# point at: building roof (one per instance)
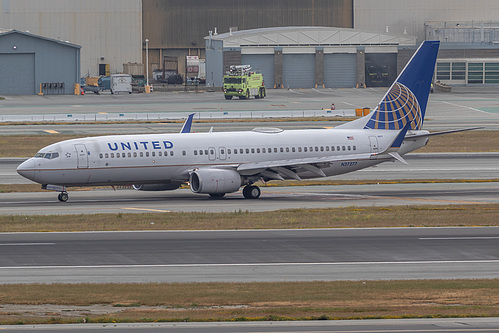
(4, 32)
(309, 36)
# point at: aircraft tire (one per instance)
(217, 195)
(63, 197)
(251, 192)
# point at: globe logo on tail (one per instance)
(398, 107)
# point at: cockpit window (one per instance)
(48, 156)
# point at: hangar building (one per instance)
(307, 57)
(28, 61)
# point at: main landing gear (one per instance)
(251, 192)
(63, 196)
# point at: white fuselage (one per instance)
(170, 158)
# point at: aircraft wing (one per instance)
(282, 169)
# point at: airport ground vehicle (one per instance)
(240, 81)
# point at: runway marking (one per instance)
(457, 238)
(466, 107)
(148, 210)
(370, 263)
(51, 131)
(26, 244)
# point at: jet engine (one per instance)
(215, 181)
(157, 187)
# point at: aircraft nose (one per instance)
(27, 169)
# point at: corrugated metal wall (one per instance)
(110, 29)
(184, 23)
(298, 70)
(340, 70)
(263, 63)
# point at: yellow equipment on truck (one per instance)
(240, 81)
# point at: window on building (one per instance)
(443, 71)
(458, 71)
(492, 72)
(475, 72)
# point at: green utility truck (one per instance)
(240, 81)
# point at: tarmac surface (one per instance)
(438, 325)
(250, 255)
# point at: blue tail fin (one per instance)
(406, 99)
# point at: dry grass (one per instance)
(260, 301)
(348, 217)
(473, 141)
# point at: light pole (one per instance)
(147, 62)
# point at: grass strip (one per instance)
(346, 217)
(472, 141)
(154, 302)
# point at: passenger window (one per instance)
(141, 154)
(299, 149)
(343, 148)
(349, 148)
(258, 150)
(252, 150)
(316, 148)
(130, 154)
(235, 151)
(305, 149)
(160, 153)
(183, 152)
(228, 151)
(287, 149)
(112, 155)
(282, 150)
(332, 148)
(153, 154)
(247, 150)
(107, 155)
(171, 153)
(338, 148)
(293, 149)
(327, 148)
(123, 155)
(100, 155)
(322, 148)
(354, 148)
(195, 152)
(147, 154)
(263, 150)
(311, 149)
(222, 151)
(206, 152)
(241, 151)
(134, 154)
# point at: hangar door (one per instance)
(298, 70)
(263, 63)
(17, 74)
(340, 70)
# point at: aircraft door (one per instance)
(222, 153)
(373, 141)
(81, 151)
(212, 154)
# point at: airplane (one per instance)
(217, 163)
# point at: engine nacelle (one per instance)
(215, 181)
(157, 187)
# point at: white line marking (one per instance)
(457, 238)
(464, 106)
(269, 264)
(26, 244)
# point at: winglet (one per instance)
(186, 128)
